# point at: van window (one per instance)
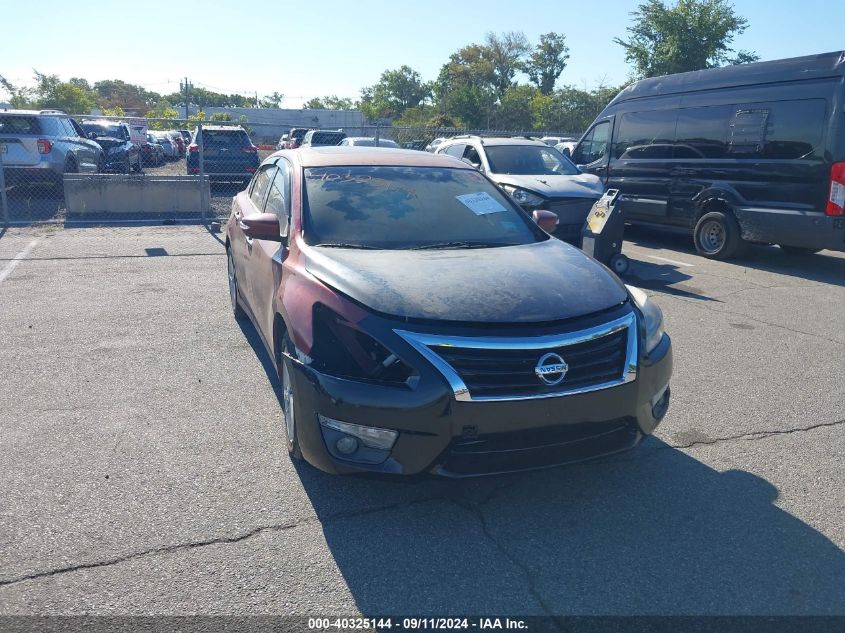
(648, 134)
(786, 130)
(593, 146)
(702, 132)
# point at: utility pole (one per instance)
(188, 88)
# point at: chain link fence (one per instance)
(56, 168)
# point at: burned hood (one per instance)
(544, 281)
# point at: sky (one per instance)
(324, 47)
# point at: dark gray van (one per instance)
(750, 153)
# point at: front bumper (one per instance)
(439, 434)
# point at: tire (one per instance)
(799, 250)
(717, 236)
(289, 406)
(619, 263)
(237, 310)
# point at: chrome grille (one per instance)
(500, 368)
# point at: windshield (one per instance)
(409, 207)
(529, 160)
(327, 138)
(113, 131)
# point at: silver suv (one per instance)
(535, 175)
(41, 146)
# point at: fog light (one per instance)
(346, 445)
(660, 404)
(370, 436)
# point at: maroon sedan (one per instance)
(421, 321)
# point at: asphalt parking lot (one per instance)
(144, 470)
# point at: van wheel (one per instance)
(717, 235)
(798, 250)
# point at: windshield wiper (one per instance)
(456, 245)
(344, 245)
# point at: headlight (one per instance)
(342, 350)
(523, 197)
(652, 317)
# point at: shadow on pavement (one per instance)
(656, 532)
(653, 531)
(822, 267)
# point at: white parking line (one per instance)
(17, 259)
(670, 261)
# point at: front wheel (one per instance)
(289, 404)
(717, 236)
(237, 310)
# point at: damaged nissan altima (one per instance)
(421, 322)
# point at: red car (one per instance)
(421, 321)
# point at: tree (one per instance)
(691, 35)
(272, 101)
(465, 87)
(19, 96)
(111, 93)
(332, 102)
(547, 62)
(162, 110)
(396, 91)
(51, 92)
(514, 110)
(505, 53)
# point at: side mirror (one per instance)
(92, 136)
(262, 226)
(546, 220)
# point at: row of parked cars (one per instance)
(40, 146)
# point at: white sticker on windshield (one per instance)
(481, 203)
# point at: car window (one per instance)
(456, 150)
(649, 134)
(261, 184)
(225, 138)
(528, 160)
(19, 125)
(593, 147)
(409, 207)
(278, 198)
(471, 154)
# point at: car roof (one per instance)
(337, 155)
(223, 127)
(488, 141)
(33, 112)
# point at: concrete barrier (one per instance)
(123, 196)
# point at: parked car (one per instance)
(418, 144)
(228, 153)
(121, 155)
(420, 321)
(152, 151)
(283, 141)
(566, 147)
(322, 137)
(553, 141)
(295, 137)
(535, 175)
(186, 137)
(168, 145)
(40, 146)
(178, 141)
(368, 141)
(431, 147)
(748, 153)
